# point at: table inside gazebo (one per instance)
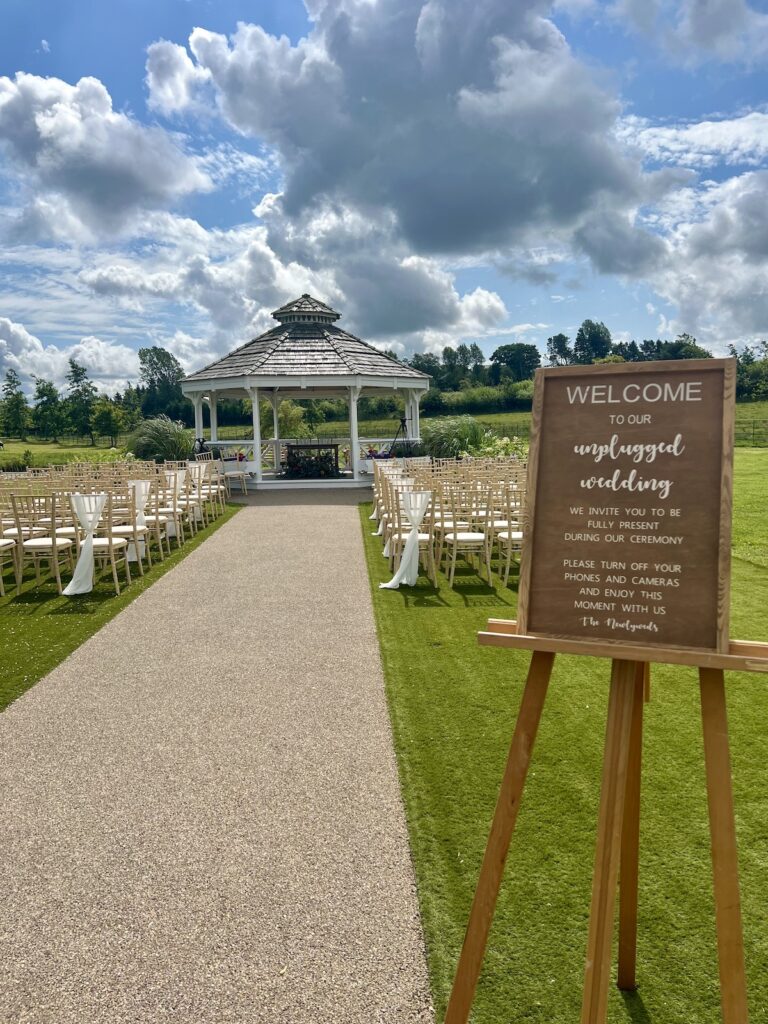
(318, 447)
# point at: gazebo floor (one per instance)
(272, 483)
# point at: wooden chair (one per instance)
(125, 523)
(8, 546)
(157, 523)
(466, 532)
(36, 537)
(109, 546)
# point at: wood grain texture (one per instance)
(526, 554)
(505, 816)
(609, 829)
(730, 944)
(742, 656)
(726, 507)
(630, 839)
(687, 543)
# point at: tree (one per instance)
(684, 347)
(450, 371)
(158, 368)
(48, 414)
(464, 359)
(15, 410)
(107, 419)
(131, 407)
(161, 374)
(559, 351)
(628, 350)
(477, 362)
(427, 363)
(80, 399)
(593, 341)
(521, 359)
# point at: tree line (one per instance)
(463, 381)
(80, 409)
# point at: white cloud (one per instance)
(731, 141)
(173, 80)
(111, 364)
(84, 165)
(470, 130)
(727, 30)
(717, 271)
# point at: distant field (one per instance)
(44, 452)
(751, 424)
(751, 431)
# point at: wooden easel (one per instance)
(619, 816)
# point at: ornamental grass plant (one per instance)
(449, 436)
(162, 438)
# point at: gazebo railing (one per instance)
(273, 453)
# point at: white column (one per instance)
(354, 442)
(416, 431)
(256, 433)
(276, 430)
(409, 413)
(197, 401)
(214, 410)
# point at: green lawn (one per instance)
(751, 422)
(45, 452)
(453, 707)
(38, 629)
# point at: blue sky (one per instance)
(172, 171)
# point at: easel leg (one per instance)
(730, 947)
(630, 839)
(617, 735)
(505, 816)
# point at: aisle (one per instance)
(201, 815)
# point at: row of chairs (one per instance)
(43, 517)
(476, 509)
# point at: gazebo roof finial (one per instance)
(306, 310)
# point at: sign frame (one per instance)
(582, 374)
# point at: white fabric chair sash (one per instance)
(415, 504)
(401, 482)
(88, 509)
(140, 490)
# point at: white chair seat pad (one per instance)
(41, 543)
(516, 535)
(465, 537)
(127, 530)
(103, 542)
(7, 542)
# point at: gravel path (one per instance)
(201, 819)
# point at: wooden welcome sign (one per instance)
(629, 520)
(625, 556)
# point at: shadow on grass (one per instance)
(635, 1006)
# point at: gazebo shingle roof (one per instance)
(306, 343)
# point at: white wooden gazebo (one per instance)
(305, 356)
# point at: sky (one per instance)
(438, 171)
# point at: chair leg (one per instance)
(114, 573)
(56, 570)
